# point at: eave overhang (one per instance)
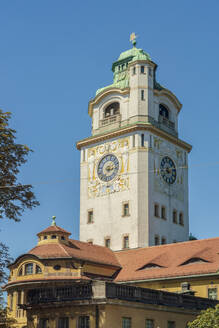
(41, 282)
(131, 128)
(188, 276)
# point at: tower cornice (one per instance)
(131, 128)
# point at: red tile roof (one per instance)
(77, 250)
(54, 229)
(171, 259)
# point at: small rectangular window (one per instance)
(156, 210)
(150, 71)
(163, 241)
(185, 286)
(212, 293)
(134, 71)
(126, 322)
(133, 141)
(125, 209)
(163, 212)
(84, 322)
(181, 221)
(107, 242)
(150, 141)
(142, 69)
(171, 324)
(174, 216)
(142, 95)
(63, 322)
(149, 323)
(142, 140)
(156, 240)
(90, 216)
(126, 242)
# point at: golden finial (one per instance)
(133, 38)
(53, 220)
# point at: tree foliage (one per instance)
(5, 320)
(5, 259)
(14, 197)
(207, 319)
(192, 237)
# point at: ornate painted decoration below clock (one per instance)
(168, 170)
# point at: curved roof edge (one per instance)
(170, 95)
(21, 257)
(103, 94)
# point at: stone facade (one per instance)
(139, 126)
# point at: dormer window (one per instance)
(150, 266)
(38, 269)
(163, 111)
(29, 268)
(194, 260)
(111, 110)
(20, 273)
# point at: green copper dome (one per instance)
(135, 53)
(120, 68)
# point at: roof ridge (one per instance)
(167, 245)
(64, 250)
(85, 242)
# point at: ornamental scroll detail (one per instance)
(98, 188)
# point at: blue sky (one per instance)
(56, 53)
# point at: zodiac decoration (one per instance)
(91, 162)
(108, 165)
(125, 156)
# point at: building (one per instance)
(133, 265)
(134, 167)
(65, 283)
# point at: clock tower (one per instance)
(134, 167)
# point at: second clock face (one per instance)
(108, 167)
(168, 170)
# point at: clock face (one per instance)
(108, 167)
(168, 170)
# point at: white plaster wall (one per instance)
(158, 226)
(108, 219)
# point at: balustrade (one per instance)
(80, 292)
(117, 291)
(149, 296)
